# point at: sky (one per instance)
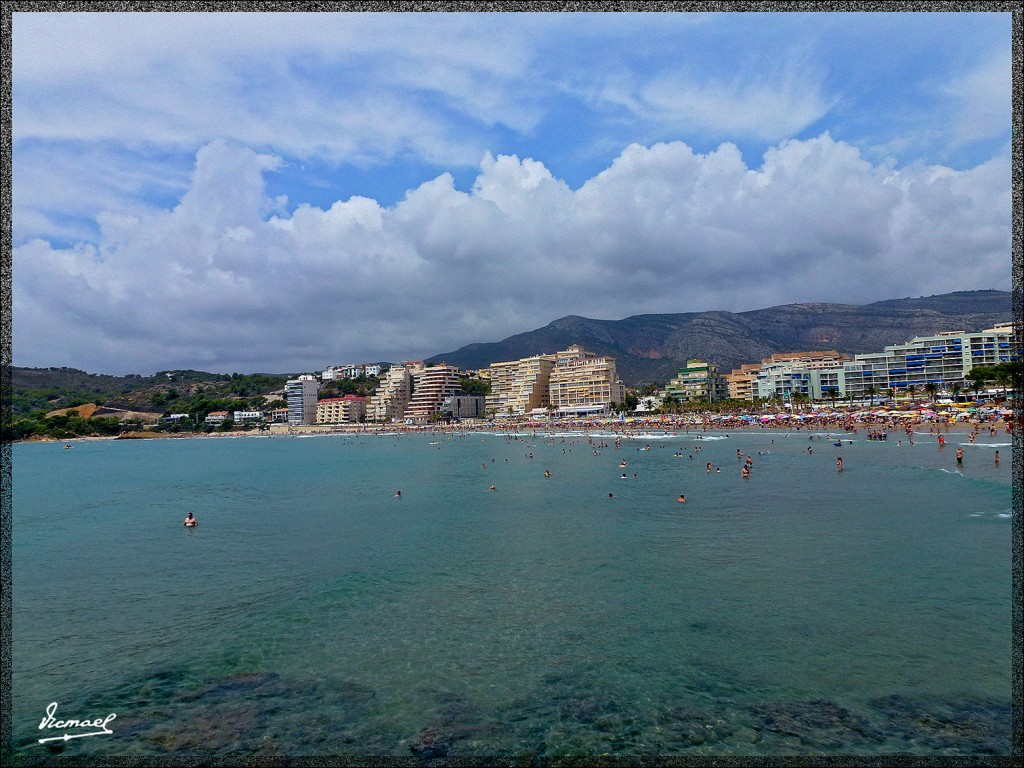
(261, 192)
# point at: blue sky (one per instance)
(283, 192)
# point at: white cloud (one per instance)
(228, 280)
(982, 99)
(338, 87)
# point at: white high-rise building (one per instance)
(389, 401)
(431, 386)
(300, 395)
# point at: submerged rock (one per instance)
(819, 722)
(429, 742)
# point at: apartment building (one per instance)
(944, 360)
(813, 375)
(350, 409)
(698, 381)
(463, 407)
(583, 382)
(300, 394)
(392, 396)
(431, 385)
(742, 382)
(350, 371)
(520, 386)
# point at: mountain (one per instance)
(651, 348)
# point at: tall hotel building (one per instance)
(431, 385)
(389, 401)
(300, 394)
(520, 386)
(583, 382)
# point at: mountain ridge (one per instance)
(650, 348)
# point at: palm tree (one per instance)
(870, 391)
(1003, 377)
(932, 389)
(911, 391)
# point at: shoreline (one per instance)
(635, 428)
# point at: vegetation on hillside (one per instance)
(37, 392)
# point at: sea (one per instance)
(576, 609)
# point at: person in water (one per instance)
(681, 499)
(191, 522)
(398, 494)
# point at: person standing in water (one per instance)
(191, 522)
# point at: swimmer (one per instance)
(746, 472)
(681, 499)
(997, 458)
(839, 463)
(547, 473)
(191, 522)
(959, 455)
(492, 488)
(398, 494)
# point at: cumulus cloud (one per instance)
(229, 279)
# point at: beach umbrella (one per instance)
(767, 418)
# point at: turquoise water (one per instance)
(800, 611)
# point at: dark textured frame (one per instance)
(1016, 7)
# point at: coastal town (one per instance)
(932, 375)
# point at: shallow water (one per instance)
(801, 611)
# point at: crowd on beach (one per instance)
(877, 424)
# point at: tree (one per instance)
(832, 393)
(932, 389)
(871, 391)
(1003, 376)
